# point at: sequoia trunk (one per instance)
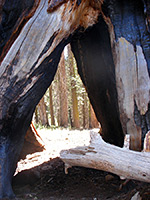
(113, 58)
(130, 42)
(112, 48)
(92, 50)
(33, 35)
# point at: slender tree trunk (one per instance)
(56, 98)
(36, 115)
(85, 112)
(70, 117)
(63, 122)
(76, 122)
(51, 106)
(43, 113)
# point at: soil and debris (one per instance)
(40, 176)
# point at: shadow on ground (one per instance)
(48, 181)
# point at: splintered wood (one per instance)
(133, 86)
(103, 156)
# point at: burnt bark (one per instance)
(31, 43)
(113, 59)
(92, 50)
(14, 15)
(22, 85)
(128, 23)
(112, 53)
(17, 116)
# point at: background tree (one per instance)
(111, 44)
(43, 112)
(51, 106)
(85, 111)
(75, 111)
(63, 111)
(66, 100)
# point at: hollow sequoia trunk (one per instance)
(128, 23)
(113, 58)
(92, 50)
(33, 35)
(26, 72)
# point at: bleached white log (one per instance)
(103, 156)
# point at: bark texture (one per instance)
(130, 41)
(93, 123)
(63, 112)
(112, 50)
(113, 58)
(75, 110)
(31, 44)
(42, 112)
(92, 50)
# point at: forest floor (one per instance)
(40, 176)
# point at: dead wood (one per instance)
(103, 156)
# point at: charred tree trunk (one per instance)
(26, 72)
(32, 36)
(113, 60)
(130, 42)
(92, 50)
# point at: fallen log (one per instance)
(103, 156)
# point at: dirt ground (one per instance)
(41, 176)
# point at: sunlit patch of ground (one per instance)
(54, 141)
(46, 179)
